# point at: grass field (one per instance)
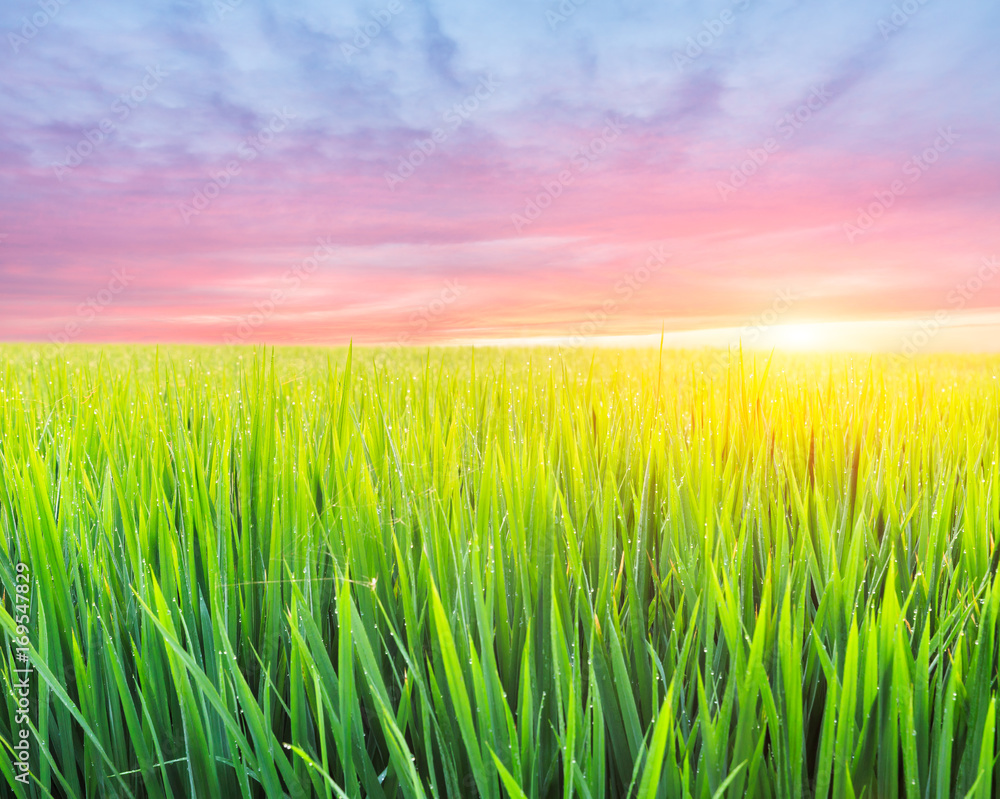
(513, 573)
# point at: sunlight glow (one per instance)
(798, 337)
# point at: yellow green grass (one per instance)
(503, 573)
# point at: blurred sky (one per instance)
(399, 170)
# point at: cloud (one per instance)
(358, 114)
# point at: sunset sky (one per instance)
(401, 171)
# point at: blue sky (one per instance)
(264, 128)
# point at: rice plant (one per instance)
(522, 573)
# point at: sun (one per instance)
(797, 337)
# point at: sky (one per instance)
(407, 171)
